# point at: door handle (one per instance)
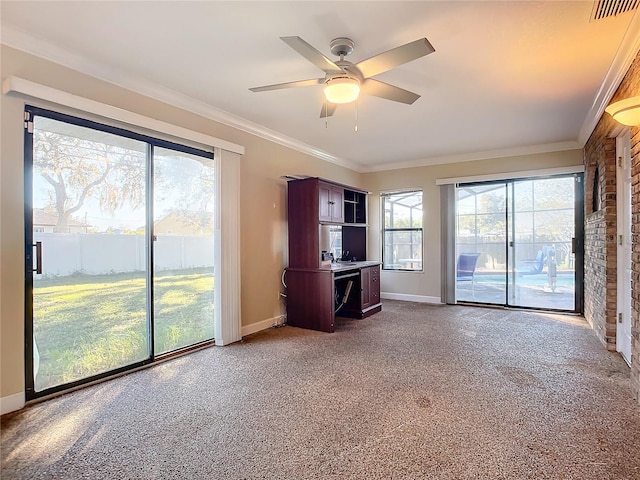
(573, 245)
(38, 268)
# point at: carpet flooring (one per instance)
(414, 392)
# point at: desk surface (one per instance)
(342, 266)
(337, 267)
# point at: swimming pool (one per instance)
(534, 291)
(539, 279)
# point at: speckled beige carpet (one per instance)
(414, 392)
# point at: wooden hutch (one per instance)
(316, 288)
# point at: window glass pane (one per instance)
(403, 250)
(553, 193)
(523, 196)
(183, 249)
(403, 210)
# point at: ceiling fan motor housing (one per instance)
(341, 47)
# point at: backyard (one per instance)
(89, 324)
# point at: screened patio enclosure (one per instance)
(514, 242)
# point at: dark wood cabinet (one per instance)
(311, 203)
(316, 291)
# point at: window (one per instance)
(402, 231)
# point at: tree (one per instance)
(79, 169)
(190, 189)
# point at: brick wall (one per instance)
(635, 254)
(600, 229)
(600, 236)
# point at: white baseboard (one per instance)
(263, 325)
(11, 403)
(405, 297)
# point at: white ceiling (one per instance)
(506, 77)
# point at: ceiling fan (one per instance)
(344, 80)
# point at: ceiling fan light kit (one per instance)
(626, 112)
(344, 80)
(342, 90)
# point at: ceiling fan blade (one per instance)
(395, 57)
(311, 54)
(299, 83)
(328, 109)
(390, 92)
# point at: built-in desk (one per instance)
(316, 291)
(316, 296)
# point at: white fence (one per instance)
(98, 254)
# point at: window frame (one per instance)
(383, 200)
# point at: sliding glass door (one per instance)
(119, 250)
(515, 243)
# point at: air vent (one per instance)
(611, 8)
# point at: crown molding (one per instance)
(625, 55)
(28, 43)
(544, 172)
(485, 155)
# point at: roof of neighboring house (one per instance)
(40, 217)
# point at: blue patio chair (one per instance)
(532, 266)
(466, 267)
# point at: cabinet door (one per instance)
(337, 204)
(324, 205)
(365, 287)
(331, 203)
(370, 286)
(310, 299)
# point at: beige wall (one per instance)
(263, 201)
(427, 282)
(263, 206)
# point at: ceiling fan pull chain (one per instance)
(326, 113)
(356, 105)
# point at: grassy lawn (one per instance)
(86, 325)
